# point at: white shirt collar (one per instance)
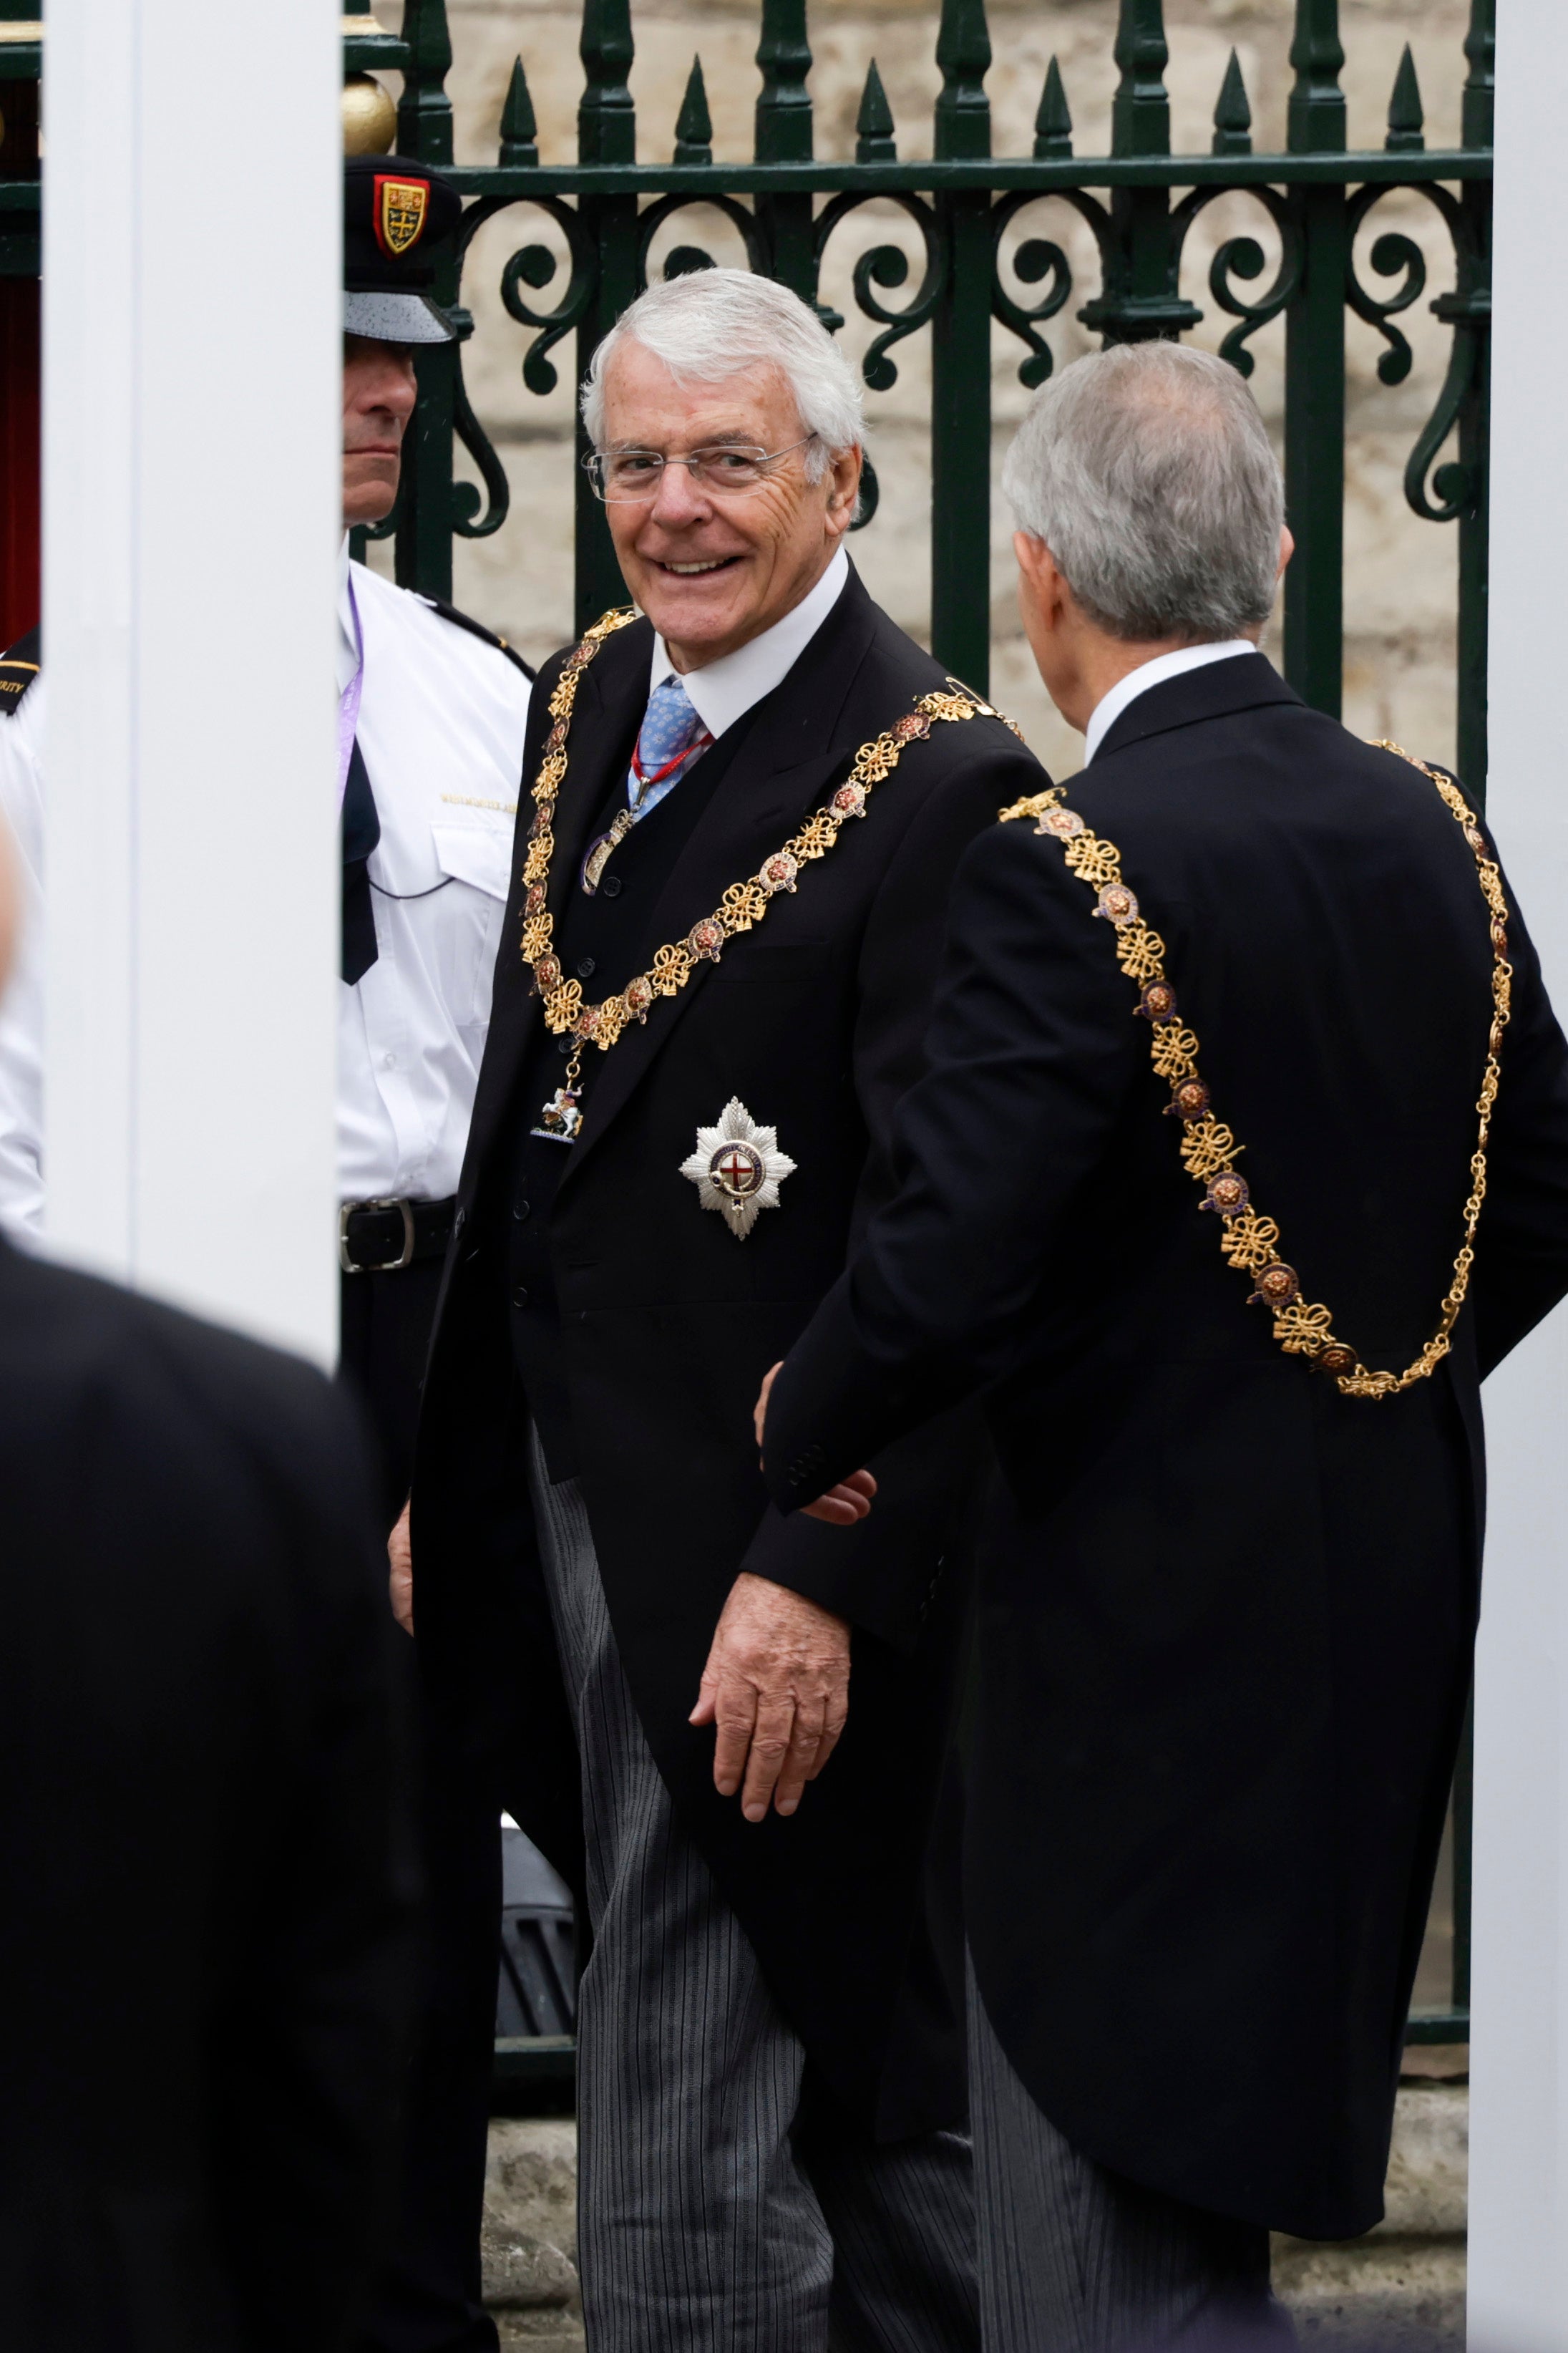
(722, 691)
(1155, 672)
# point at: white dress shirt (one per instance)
(1109, 707)
(441, 725)
(724, 691)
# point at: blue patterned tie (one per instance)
(672, 736)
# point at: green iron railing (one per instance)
(1139, 202)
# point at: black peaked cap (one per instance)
(396, 213)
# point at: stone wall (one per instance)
(1400, 572)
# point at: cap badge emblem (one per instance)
(400, 209)
(738, 1168)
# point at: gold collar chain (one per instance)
(1209, 1150)
(742, 905)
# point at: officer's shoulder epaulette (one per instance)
(478, 630)
(18, 668)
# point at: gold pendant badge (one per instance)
(400, 209)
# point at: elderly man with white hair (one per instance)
(1249, 966)
(742, 802)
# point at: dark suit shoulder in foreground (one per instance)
(207, 1888)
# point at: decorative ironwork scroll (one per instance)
(979, 260)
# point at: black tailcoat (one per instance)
(205, 1946)
(1226, 1624)
(668, 1322)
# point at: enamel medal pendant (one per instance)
(561, 1117)
(738, 1168)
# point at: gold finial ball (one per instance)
(369, 118)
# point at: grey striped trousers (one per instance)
(1074, 2259)
(702, 2226)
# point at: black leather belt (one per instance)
(382, 1237)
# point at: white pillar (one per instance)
(192, 357)
(1519, 2148)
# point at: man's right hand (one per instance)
(400, 1577)
(842, 1506)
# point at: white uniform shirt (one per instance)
(441, 725)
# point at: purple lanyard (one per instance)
(348, 701)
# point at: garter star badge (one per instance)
(738, 1168)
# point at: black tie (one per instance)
(361, 831)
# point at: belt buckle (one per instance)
(386, 1265)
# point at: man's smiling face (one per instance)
(712, 571)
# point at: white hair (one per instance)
(712, 324)
(1148, 472)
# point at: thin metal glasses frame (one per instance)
(696, 463)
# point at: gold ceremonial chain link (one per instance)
(1209, 1150)
(743, 903)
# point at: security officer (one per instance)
(432, 710)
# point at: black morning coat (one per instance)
(206, 1939)
(1225, 1616)
(668, 1323)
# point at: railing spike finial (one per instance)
(1232, 113)
(1053, 123)
(783, 133)
(1405, 118)
(424, 111)
(964, 53)
(874, 139)
(1316, 112)
(1480, 48)
(694, 124)
(1141, 110)
(518, 129)
(606, 122)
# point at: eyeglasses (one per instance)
(634, 475)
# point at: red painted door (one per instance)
(19, 600)
(20, 401)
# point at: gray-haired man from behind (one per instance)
(1225, 1615)
(742, 815)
